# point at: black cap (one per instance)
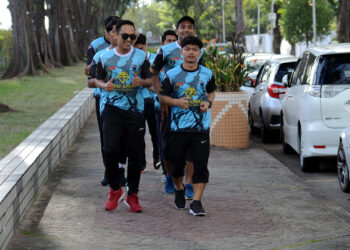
(185, 18)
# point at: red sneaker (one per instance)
(114, 198)
(132, 202)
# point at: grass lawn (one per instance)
(35, 98)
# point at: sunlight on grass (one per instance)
(35, 98)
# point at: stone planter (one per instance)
(229, 120)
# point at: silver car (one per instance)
(265, 101)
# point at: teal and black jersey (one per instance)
(146, 93)
(169, 56)
(93, 68)
(122, 68)
(195, 85)
(94, 47)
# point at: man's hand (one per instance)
(87, 69)
(164, 108)
(204, 106)
(136, 81)
(110, 86)
(183, 102)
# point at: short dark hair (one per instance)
(141, 39)
(124, 22)
(110, 25)
(192, 40)
(185, 18)
(110, 18)
(168, 33)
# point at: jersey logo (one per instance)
(175, 58)
(190, 92)
(123, 77)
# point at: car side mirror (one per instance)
(249, 83)
(285, 80)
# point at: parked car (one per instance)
(343, 158)
(317, 106)
(255, 62)
(264, 106)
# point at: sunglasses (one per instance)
(125, 36)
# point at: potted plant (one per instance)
(229, 117)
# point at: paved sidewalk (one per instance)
(252, 201)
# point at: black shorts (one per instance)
(198, 144)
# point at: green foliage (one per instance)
(296, 20)
(228, 69)
(6, 44)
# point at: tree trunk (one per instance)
(4, 108)
(239, 25)
(26, 54)
(343, 31)
(277, 36)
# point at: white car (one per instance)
(343, 160)
(316, 107)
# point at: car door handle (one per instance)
(290, 96)
(260, 90)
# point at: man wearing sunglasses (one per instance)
(100, 94)
(122, 72)
(168, 57)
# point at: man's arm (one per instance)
(210, 88)
(101, 76)
(166, 92)
(88, 59)
(157, 65)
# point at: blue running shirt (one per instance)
(169, 56)
(146, 93)
(112, 64)
(95, 46)
(195, 85)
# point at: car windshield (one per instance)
(335, 69)
(284, 69)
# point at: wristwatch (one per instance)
(210, 103)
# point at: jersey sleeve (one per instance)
(145, 70)
(159, 61)
(101, 73)
(92, 72)
(211, 86)
(89, 55)
(166, 86)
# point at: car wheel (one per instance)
(264, 133)
(251, 123)
(306, 164)
(285, 146)
(343, 169)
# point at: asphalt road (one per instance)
(323, 181)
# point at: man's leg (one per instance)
(200, 147)
(178, 160)
(134, 128)
(112, 132)
(165, 130)
(158, 117)
(151, 122)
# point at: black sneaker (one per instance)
(197, 208)
(104, 182)
(122, 177)
(180, 201)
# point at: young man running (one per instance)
(150, 117)
(126, 70)
(190, 90)
(100, 94)
(169, 36)
(169, 56)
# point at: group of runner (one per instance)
(169, 90)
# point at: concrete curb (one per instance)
(26, 168)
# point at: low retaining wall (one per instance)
(24, 171)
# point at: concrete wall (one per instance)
(24, 171)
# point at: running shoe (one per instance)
(196, 208)
(180, 201)
(114, 198)
(189, 192)
(169, 185)
(132, 202)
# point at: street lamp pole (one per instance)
(314, 20)
(258, 27)
(223, 21)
